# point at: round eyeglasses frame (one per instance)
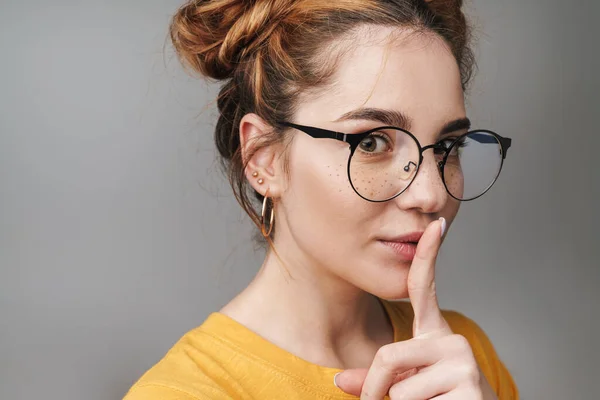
(354, 139)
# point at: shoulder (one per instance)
(184, 373)
(487, 358)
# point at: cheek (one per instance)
(333, 177)
(321, 206)
(320, 187)
(318, 172)
(454, 180)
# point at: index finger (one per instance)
(428, 319)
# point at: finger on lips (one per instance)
(428, 319)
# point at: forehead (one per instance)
(411, 72)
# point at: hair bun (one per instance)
(198, 30)
(213, 36)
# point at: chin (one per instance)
(381, 277)
(388, 289)
(388, 281)
(392, 293)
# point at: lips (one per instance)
(405, 246)
(413, 237)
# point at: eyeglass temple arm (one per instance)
(485, 138)
(318, 133)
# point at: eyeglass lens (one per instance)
(385, 163)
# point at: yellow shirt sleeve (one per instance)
(492, 367)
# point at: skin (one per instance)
(327, 235)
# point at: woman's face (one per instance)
(329, 224)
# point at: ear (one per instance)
(265, 169)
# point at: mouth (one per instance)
(403, 247)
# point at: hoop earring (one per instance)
(271, 217)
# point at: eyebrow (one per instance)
(398, 119)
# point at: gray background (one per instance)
(118, 234)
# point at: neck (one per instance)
(304, 309)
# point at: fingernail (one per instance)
(334, 382)
(443, 225)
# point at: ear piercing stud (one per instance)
(260, 180)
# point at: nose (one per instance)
(427, 192)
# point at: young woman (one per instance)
(346, 120)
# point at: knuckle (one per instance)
(386, 356)
(459, 343)
(469, 373)
(398, 392)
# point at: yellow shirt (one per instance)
(222, 359)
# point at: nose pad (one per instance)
(407, 166)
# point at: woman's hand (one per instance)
(435, 363)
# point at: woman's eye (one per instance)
(446, 143)
(456, 146)
(375, 144)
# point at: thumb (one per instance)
(351, 380)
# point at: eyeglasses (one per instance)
(384, 161)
